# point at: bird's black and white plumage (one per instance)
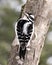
(24, 30)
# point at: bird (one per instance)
(24, 30)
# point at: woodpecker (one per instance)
(24, 30)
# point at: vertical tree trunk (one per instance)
(42, 12)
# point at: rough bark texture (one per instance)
(42, 12)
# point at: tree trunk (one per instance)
(42, 12)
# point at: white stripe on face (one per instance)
(32, 16)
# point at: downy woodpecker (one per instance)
(24, 30)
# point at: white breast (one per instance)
(25, 27)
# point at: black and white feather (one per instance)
(24, 30)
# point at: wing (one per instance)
(21, 36)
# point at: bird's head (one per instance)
(30, 16)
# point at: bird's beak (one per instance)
(25, 14)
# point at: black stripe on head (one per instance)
(31, 18)
(30, 15)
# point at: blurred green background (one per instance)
(9, 14)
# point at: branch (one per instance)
(42, 12)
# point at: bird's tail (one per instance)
(22, 51)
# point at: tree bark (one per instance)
(42, 12)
